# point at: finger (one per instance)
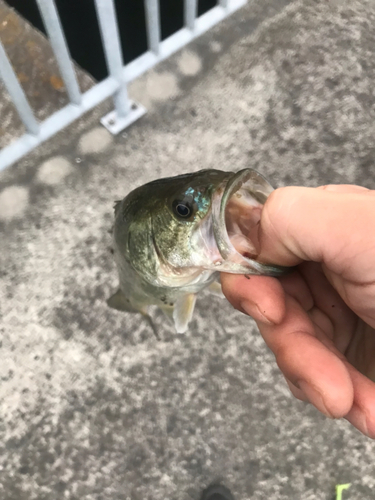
(307, 363)
(297, 393)
(261, 294)
(295, 285)
(261, 297)
(313, 224)
(344, 188)
(327, 300)
(362, 413)
(358, 294)
(361, 350)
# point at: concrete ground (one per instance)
(92, 406)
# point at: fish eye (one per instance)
(183, 209)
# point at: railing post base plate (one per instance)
(115, 124)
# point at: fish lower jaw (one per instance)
(236, 215)
(185, 278)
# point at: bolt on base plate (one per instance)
(115, 124)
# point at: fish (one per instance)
(172, 237)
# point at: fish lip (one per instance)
(237, 263)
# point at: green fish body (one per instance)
(173, 236)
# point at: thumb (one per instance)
(326, 224)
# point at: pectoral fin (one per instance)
(215, 288)
(120, 302)
(183, 312)
(168, 311)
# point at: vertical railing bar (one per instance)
(153, 25)
(17, 94)
(112, 48)
(224, 3)
(56, 36)
(191, 11)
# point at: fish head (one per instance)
(156, 226)
(176, 231)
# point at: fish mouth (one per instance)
(236, 213)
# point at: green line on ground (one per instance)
(340, 488)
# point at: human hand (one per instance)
(319, 321)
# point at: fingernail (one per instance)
(366, 427)
(360, 419)
(315, 397)
(255, 312)
(363, 418)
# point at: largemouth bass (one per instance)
(172, 237)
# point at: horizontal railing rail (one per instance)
(115, 85)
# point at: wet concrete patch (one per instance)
(13, 202)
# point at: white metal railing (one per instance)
(125, 111)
